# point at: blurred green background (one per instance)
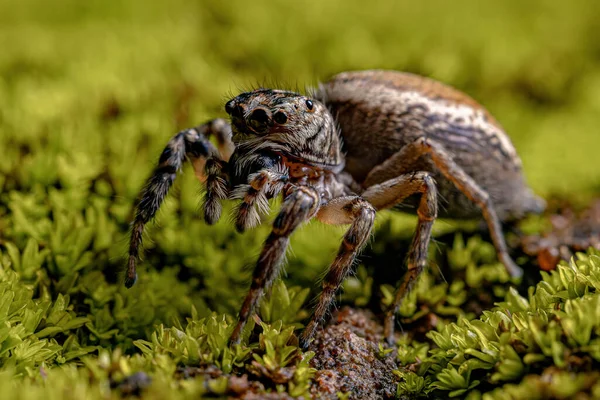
(170, 64)
(90, 92)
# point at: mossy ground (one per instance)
(91, 91)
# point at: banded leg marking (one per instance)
(390, 193)
(299, 206)
(343, 210)
(191, 144)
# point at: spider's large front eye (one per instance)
(309, 105)
(280, 117)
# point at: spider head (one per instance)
(286, 123)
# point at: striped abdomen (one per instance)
(379, 112)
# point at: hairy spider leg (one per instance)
(446, 165)
(298, 207)
(341, 210)
(455, 174)
(192, 144)
(390, 193)
(220, 129)
(255, 196)
(217, 189)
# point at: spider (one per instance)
(362, 142)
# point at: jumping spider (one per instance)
(362, 142)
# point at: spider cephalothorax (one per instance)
(405, 138)
(280, 138)
(287, 123)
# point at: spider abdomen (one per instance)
(380, 112)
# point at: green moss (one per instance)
(89, 94)
(552, 331)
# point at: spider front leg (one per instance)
(220, 129)
(216, 189)
(389, 194)
(343, 210)
(299, 206)
(192, 144)
(261, 185)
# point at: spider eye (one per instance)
(234, 110)
(280, 117)
(229, 107)
(309, 104)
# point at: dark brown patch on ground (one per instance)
(348, 361)
(238, 387)
(570, 232)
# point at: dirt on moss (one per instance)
(242, 387)
(348, 358)
(571, 231)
